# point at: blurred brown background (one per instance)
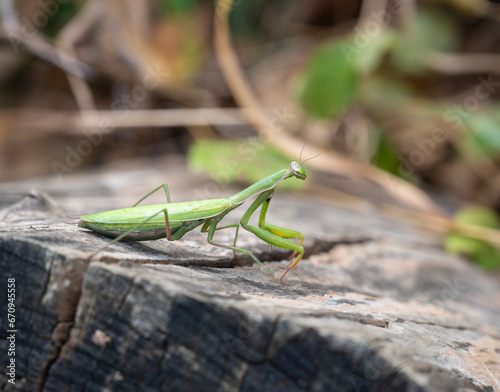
(398, 96)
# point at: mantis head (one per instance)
(297, 170)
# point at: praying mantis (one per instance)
(173, 220)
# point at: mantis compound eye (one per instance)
(297, 170)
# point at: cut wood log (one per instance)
(374, 306)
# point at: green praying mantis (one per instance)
(173, 220)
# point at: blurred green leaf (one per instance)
(367, 52)
(249, 161)
(486, 130)
(329, 84)
(480, 133)
(407, 55)
(386, 155)
(480, 216)
(382, 93)
(437, 28)
(480, 251)
(177, 7)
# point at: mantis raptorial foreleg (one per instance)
(272, 234)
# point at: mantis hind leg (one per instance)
(165, 188)
(167, 194)
(211, 226)
(272, 234)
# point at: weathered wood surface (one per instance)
(375, 305)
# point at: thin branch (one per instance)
(16, 33)
(460, 64)
(24, 125)
(368, 7)
(67, 39)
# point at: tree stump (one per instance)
(375, 305)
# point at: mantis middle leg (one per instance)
(212, 227)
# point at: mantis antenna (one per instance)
(308, 159)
